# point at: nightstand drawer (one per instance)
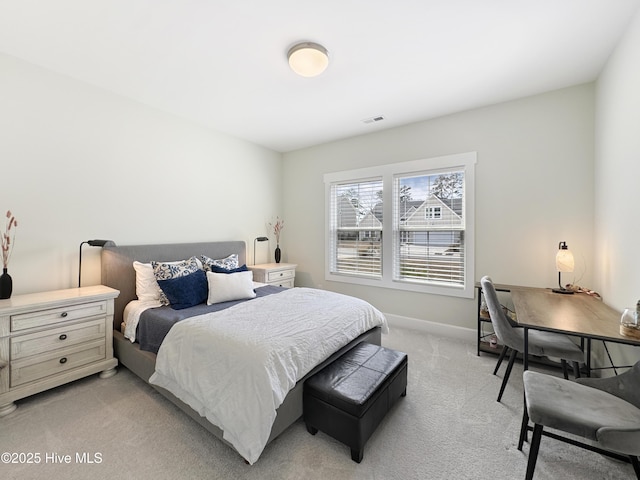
(280, 275)
(284, 283)
(41, 318)
(61, 337)
(59, 361)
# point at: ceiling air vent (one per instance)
(378, 118)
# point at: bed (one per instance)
(118, 273)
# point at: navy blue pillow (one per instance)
(187, 291)
(217, 269)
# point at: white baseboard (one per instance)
(452, 331)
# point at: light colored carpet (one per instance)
(448, 427)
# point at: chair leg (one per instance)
(565, 372)
(500, 358)
(636, 465)
(576, 369)
(512, 359)
(524, 427)
(533, 451)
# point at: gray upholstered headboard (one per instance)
(118, 272)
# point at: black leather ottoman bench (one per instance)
(348, 398)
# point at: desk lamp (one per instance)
(564, 263)
(92, 243)
(258, 239)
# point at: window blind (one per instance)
(356, 210)
(429, 226)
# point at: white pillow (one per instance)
(225, 287)
(147, 288)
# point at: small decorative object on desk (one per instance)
(6, 283)
(277, 229)
(629, 322)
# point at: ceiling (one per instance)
(222, 63)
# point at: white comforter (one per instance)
(236, 366)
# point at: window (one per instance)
(432, 213)
(356, 228)
(406, 225)
(429, 219)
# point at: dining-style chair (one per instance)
(605, 411)
(542, 344)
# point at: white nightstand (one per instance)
(279, 274)
(51, 338)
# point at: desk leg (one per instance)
(525, 355)
(606, 349)
(479, 322)
(588, 357)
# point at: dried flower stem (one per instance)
(277, 228)
(8, 238)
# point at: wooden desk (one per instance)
(578, 314)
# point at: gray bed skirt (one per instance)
(143, 365)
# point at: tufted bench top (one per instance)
(352, 381)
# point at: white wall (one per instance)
(534, 188)
(617, 175)
(617, 172)
(80, 163)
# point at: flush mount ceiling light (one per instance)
(308, 59)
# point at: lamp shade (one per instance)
(564, 259)
(308, 59)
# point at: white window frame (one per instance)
(463, 161)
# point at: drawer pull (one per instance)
(63, 360)
(63, 336)
(64, 314)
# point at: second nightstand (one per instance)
(279, 274)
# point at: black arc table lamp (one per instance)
(258, 239)
(92, 243)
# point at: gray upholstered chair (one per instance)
(543, 344)
(605, 411)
